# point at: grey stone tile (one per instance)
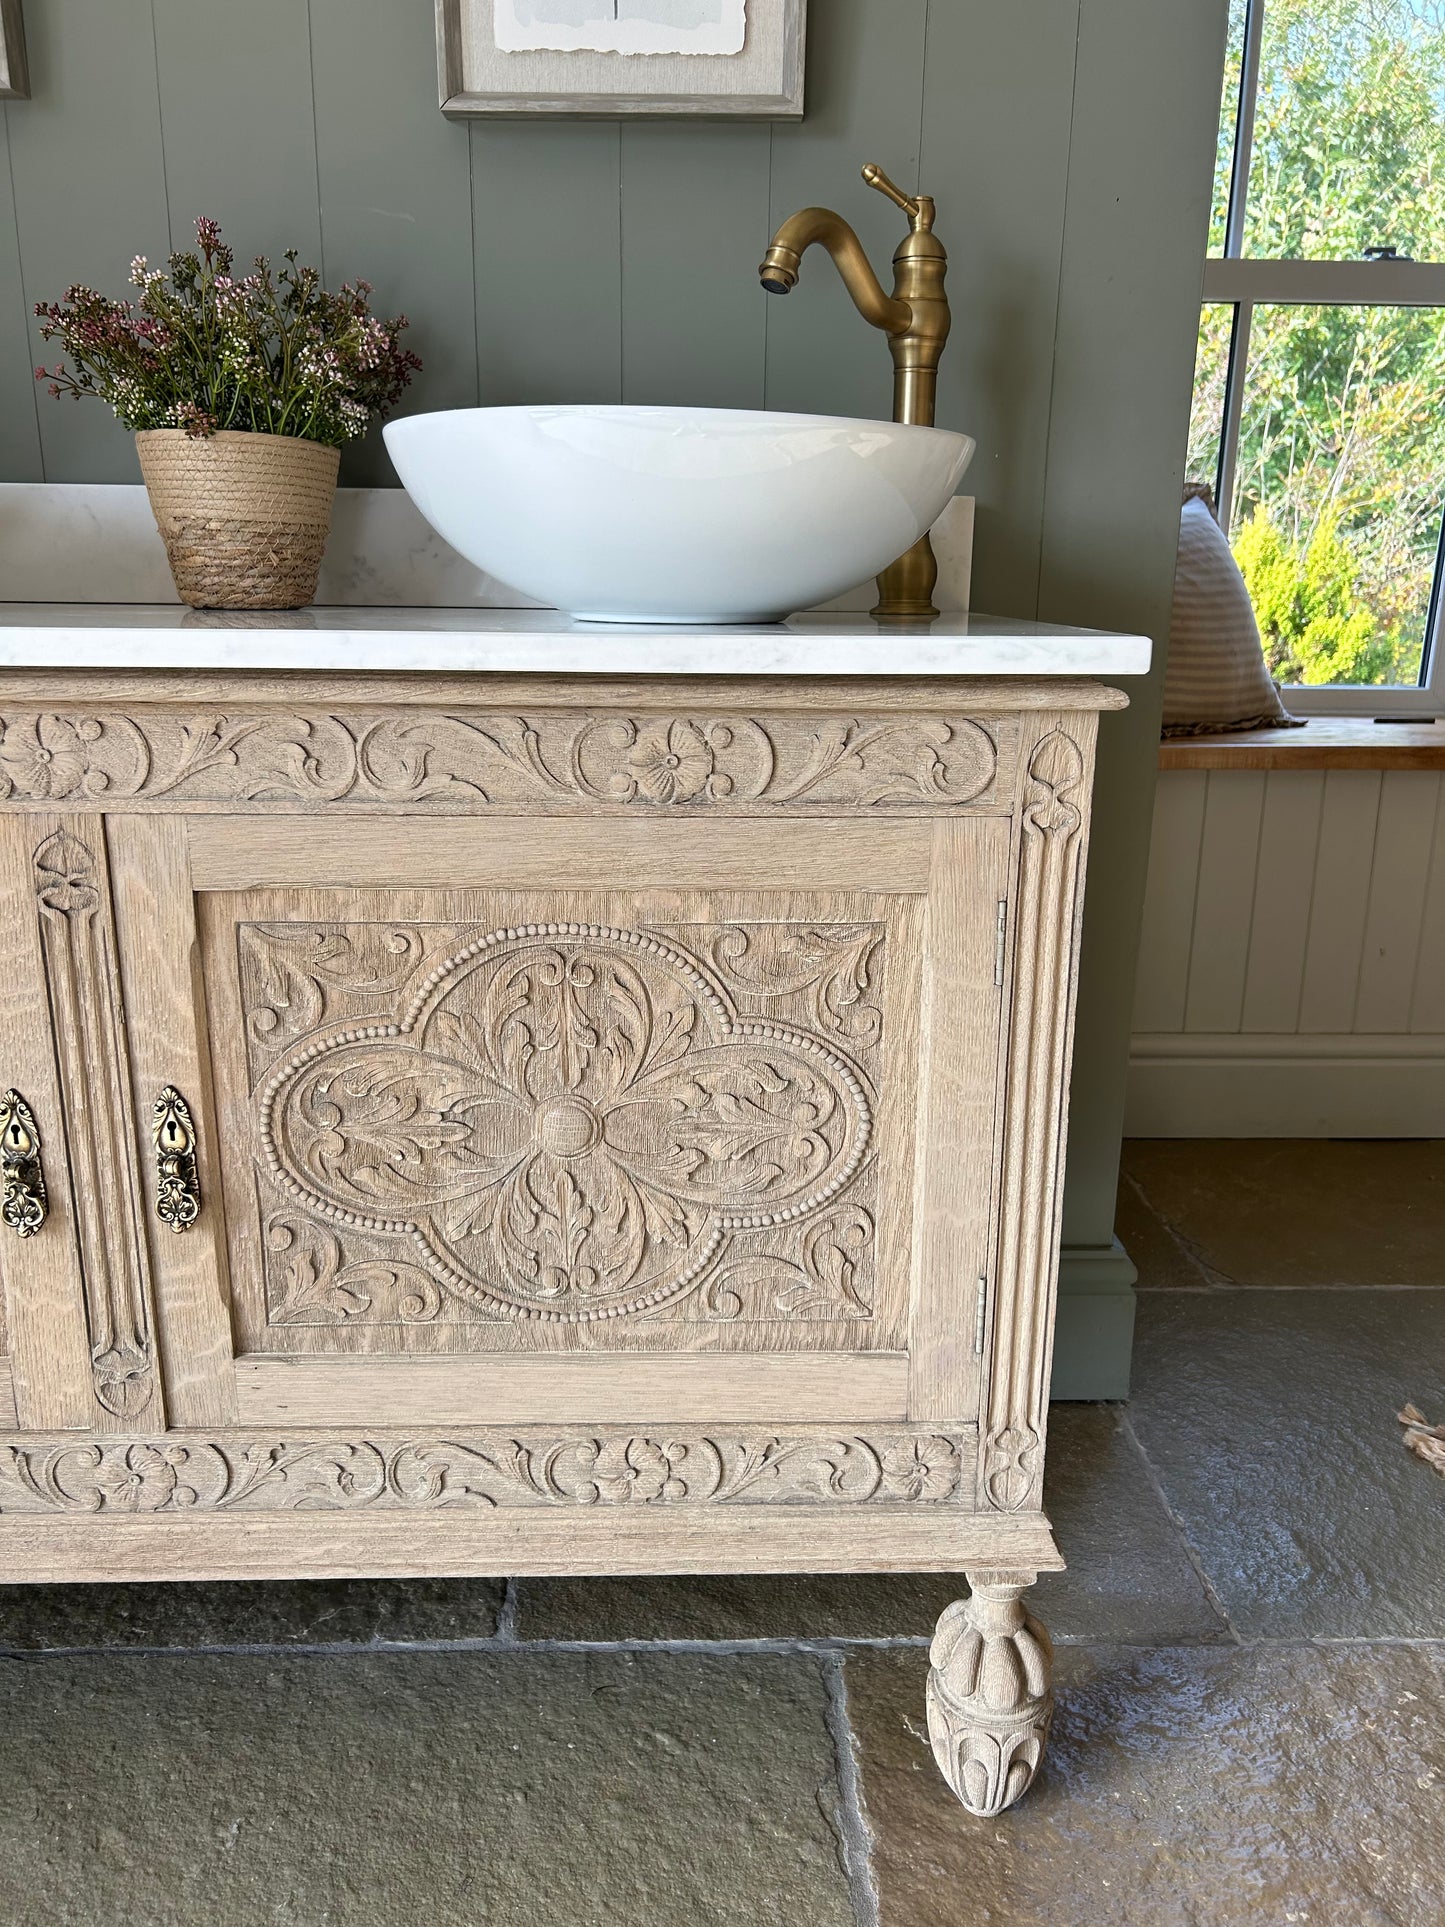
(451, 1789)
(1192, 1787)
(1129, 1576)
(1160, 1260)
(1270, 1419)
(1316, 1211)
(303, 1612)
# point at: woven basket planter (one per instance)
(244, 517)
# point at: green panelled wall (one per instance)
(1068, 143)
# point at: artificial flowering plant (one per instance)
(203, 349)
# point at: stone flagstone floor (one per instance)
(1251, 1646)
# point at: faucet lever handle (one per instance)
(875, 177)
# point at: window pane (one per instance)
(1349, 131)
(1228, 118)
(1206, 416)
(1338, 488)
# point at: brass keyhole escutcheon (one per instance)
(26, 1205)
(178, 1190)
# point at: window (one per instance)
(1319, 400)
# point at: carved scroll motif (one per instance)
(78, 943)
(1013, 1451)
(484, 1470)
(474, 760)
(569, 1122)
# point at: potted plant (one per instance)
(240, 390)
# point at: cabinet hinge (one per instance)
(1000, 932)
(980, 1316)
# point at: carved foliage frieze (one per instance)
(573, 1122)
(472, 759)
(493, 1470)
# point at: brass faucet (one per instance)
(915, 318)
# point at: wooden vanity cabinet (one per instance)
(543, 1125)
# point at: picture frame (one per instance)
(14, 72)
(591, 73)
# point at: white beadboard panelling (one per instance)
(1228, 853)
(1404, 836)
(1341, 900)
(1163, 976)
(1284, 882)
(1427, 1009)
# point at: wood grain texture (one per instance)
(165, 1023)
(1344, 742)
(44, 1304)
(243, 853)
(507, 1544)
(70, 881)
(967, 931)
(594, 1389)
(1041, 986)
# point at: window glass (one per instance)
(1228, 120)
(1211, 370)
(1338, 488)
(1349, 130)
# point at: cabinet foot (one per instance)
(990, 1697)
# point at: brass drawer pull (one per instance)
(26, 1205)
(178, 1191)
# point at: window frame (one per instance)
(1243, 282)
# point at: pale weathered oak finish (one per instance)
(628, 1127)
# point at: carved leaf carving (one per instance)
(572, 1122)
(487, 1470)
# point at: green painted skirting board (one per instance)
(1095, 1331)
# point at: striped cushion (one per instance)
(1216, 677)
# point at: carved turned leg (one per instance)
(989, 1694)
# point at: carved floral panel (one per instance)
(552, 760)
(565, 1123)
(485, 1471)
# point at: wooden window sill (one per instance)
(1345, 742)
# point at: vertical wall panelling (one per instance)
(1219, 953)
(1341, 900)
(546, 217)
(1404, 833)
(396, 196)
(694, 226)
(1003, 223)
(19, 394)
(90, 192)
(1427, 1007)
(1279, 911)
(1145, 122)
(237, 125)
(1168, 926)
(865, 103)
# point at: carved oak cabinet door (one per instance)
(623, 1123)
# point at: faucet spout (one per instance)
(915, 319)
(780, 265)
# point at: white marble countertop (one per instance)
(59, 635)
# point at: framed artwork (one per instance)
(603, 58)
(14, 74)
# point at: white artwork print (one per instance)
(620, 26)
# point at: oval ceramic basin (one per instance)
(675, 514)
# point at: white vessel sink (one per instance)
(675, 514)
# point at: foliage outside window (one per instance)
(1324, 418)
